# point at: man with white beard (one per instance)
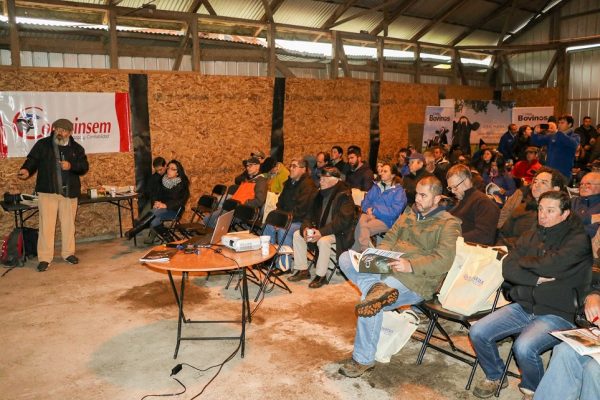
(59, 162)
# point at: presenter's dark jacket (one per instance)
(333, 213)
(479, 216)
(42, 159)
(562, 252)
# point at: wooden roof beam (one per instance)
(364, 12)
(337, 13)
(438, 19)
(482, 22)
(536, 19)
(392, 17)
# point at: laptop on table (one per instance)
(211, 236)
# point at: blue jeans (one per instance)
(270, 230)
(570, 377)
(161, 214)
(368, 328)
(533, 339)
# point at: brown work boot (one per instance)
(379, 296)
(317, 282)
(299, 275)
(353, 369)
(487, 388)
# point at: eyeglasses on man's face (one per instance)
(453, 188)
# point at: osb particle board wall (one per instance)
(109, 168)
(209, 123)
(533, 97)
(402, 104)
(321, 113)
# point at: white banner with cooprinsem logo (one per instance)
(438, 124)
(100, 120)
(531, 115)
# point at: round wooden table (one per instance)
(211, 259)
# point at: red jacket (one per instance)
(526, 170)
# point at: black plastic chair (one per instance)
(245, 218)
(167, 231)
(206, 204)
(435, 311)
(282, 220)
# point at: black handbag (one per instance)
(12, 198)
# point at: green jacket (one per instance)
(428, 243)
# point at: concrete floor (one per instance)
(105, 329)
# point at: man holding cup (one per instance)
(59, 162)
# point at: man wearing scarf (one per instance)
(426, 234)
(59, 162)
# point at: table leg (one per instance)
(120, 222)
(130, 202)
(245, 310)
(176, 294)
(180, 317)
(21, 219)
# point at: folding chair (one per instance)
(313, 250)
(167, 230)
(245, 218)
(435, 311)
(206, 204)
(282, 220)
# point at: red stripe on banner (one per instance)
(123, 116)
(3, 145)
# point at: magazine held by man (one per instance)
(374, 261)
(585, 341)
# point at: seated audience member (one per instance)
(571, 376)
(561, 144)
(587, 204)
(426, 234)
(508, 143)
(172, 195)
(321, 161)
(501, 178)
(521, 208)
(479, 214)
(381, 207)
(252, 189)
(359, 175)
(337, 160)
(548, 265)
(416, 171)
(523, 142)
(401, 166)
(277, 175)
(330, 220)
(479, 152)
(150, 190)
(297, 196)
(525, 169)
(484, 164)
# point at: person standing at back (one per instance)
(59, 162)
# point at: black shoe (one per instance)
(42, 266)
(317, 282)
(72, 260)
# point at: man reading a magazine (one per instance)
(571, 376)
(426, 234)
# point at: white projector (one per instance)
(241, 241)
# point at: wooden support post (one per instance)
(380, 59)
(112, 39)
(272, 54)
(562, 76)
(333, 73)
(195, 45)
(418, 63)
(15, 49)
(342, 56)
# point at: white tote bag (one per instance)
(473, 279)
(396, 330)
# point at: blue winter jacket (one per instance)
(561, 149)
(387, 205)
(585, 207)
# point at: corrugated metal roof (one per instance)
(478, 37)
(307, 13)
(472, 12)
(365, 22)
(406, 27)
(443, 33)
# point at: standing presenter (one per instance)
(59, 162)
